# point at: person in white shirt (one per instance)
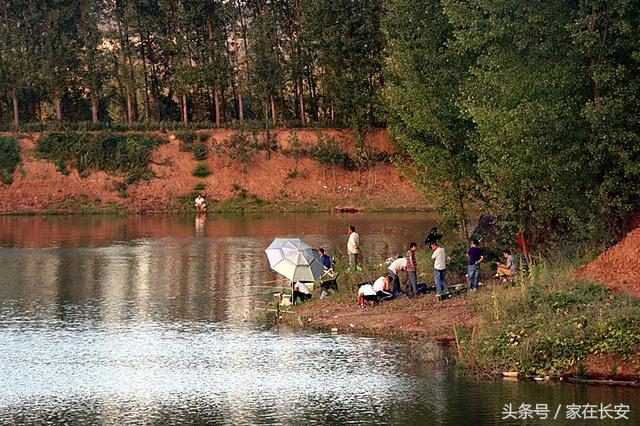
(439, 268)
(300, 292)
(353, 248)
(395, 267)
(366, 292)
(382, 287)
(201, 203)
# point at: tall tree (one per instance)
(424, 74)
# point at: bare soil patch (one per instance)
(38, 187)
(420, 317)
(618, 267)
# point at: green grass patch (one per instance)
(195, 143)
(550, 322)
(201, 170)
(118, 154)
(9, 158)
(200, 186)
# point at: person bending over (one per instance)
(382, 287)
(366, 293)
(300, 292)
(395, 267)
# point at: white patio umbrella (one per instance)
(294, 259)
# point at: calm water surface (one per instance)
(148, 320)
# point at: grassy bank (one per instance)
(547, 322)
(552, 323)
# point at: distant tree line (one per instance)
(277, 61)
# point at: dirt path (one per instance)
(420, 317)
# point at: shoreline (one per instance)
(453, 323)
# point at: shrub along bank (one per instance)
(550, 323)
(123, 154)
(9, 158)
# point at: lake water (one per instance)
(149, 320)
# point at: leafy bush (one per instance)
(124, 154)
(195, 143)
(327, 151)
(200, 150)
(295, 148)
(200, 186)
(188, 136)
(9, 158)
(201, 170)
(239, 147)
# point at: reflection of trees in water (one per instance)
(173, 275)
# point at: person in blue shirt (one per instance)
(326, 260)
(474, 259)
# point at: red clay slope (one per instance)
(619, 267)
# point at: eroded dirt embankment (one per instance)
(284, 182)
(618, 267)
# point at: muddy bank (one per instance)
(415, 319)
(619, 266)
(270, 181)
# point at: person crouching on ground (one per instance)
(439, 268)
(395, 267)
(300, 292)
(412, 269)
(382, 287)
(366, 293)
(201, 203)
(508, 269)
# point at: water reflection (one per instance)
(144, 320)
(208, 272)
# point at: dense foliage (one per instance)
(127, 155)
(9, 158)
(530, 110)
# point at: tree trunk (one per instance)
(185, 114)
(303, 118)
(129, 107)
(273, 110)
(216, 100)
(58, 107)
(240, 107)
(94, 108)
(16, 111)
(463, 215)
